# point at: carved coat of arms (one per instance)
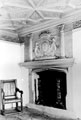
(45, 47)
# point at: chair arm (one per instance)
(18, 90)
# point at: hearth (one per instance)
(50, 88)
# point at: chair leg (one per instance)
(3, 109)
(17, 106)
(21, 106)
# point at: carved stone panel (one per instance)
(46, 46)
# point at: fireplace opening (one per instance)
(50, 88)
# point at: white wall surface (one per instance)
(77, 72)
(11, 54)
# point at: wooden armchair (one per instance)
(9, 94)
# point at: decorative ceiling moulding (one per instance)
(66, 19)
(11, 36)
(7, 32)
(77, 24)
(68, 27)
(10, 39)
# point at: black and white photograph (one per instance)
(40, 59)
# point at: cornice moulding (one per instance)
(66, 19)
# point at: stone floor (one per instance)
(25, 115)
(28, 114)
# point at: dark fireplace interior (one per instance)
(50, 89)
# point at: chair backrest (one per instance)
(9, 88)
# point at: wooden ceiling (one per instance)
(17, 16)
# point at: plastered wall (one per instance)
(11, 54)
(77, 72)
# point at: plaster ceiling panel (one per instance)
(75, 3)
(54, 6)
(35, 16)
(67, 10)
(18, 13)
(3, 14)
(36, 2)
(53, 3)
(51, 14)
(4, 19)
(17, 3)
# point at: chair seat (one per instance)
(6, 101)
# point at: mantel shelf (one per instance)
(62, 63)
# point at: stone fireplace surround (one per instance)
(65, 65)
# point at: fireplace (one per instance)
(50, 88)
(50, 83)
